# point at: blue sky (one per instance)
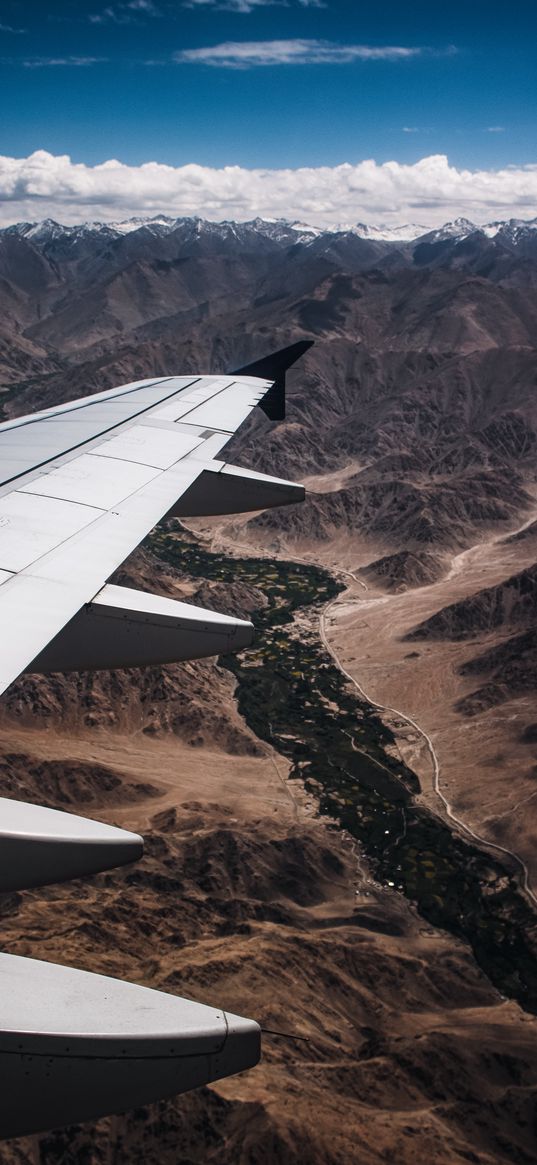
(247, 83)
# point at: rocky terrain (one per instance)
(511, 603)
(413, 421)
(405, 1049)
(508, 666)
(510, 670)
(397, 1045)
(405, 569)
(421, 386)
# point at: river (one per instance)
(293, 696)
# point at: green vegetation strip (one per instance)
(292, 696)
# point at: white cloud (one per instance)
(109, 16)
(9, 28)
(248, 54)
(429, 191)
(54, 62)
(246, 6)
(416, 129)
(125, 12)
(495, 129)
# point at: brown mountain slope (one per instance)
(405, 569)
(409, 1051)
(424, 373)
(510, 603)
(509, 668)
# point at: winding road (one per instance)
(461, 825)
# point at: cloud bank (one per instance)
(429, 191)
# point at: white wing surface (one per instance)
(83, 484)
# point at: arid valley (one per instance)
(340, 825)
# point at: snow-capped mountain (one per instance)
(48, 229)
(278, 230)
(281, 230)
(459, 229)
(512, 232)
(515, 229)
(385, 234)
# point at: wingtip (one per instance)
(274, 367)
(276, 363)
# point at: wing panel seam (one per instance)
(29, 493)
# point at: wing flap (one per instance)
(129, 628)
(228, 489)
(74, 1045)
(39, 846)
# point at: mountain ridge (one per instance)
(278, 229)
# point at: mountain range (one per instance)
(413, 422)
(512, 230)
(414, 416)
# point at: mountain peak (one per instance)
(382, 233)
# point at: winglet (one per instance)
(273, 368)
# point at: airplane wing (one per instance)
(81, 484)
